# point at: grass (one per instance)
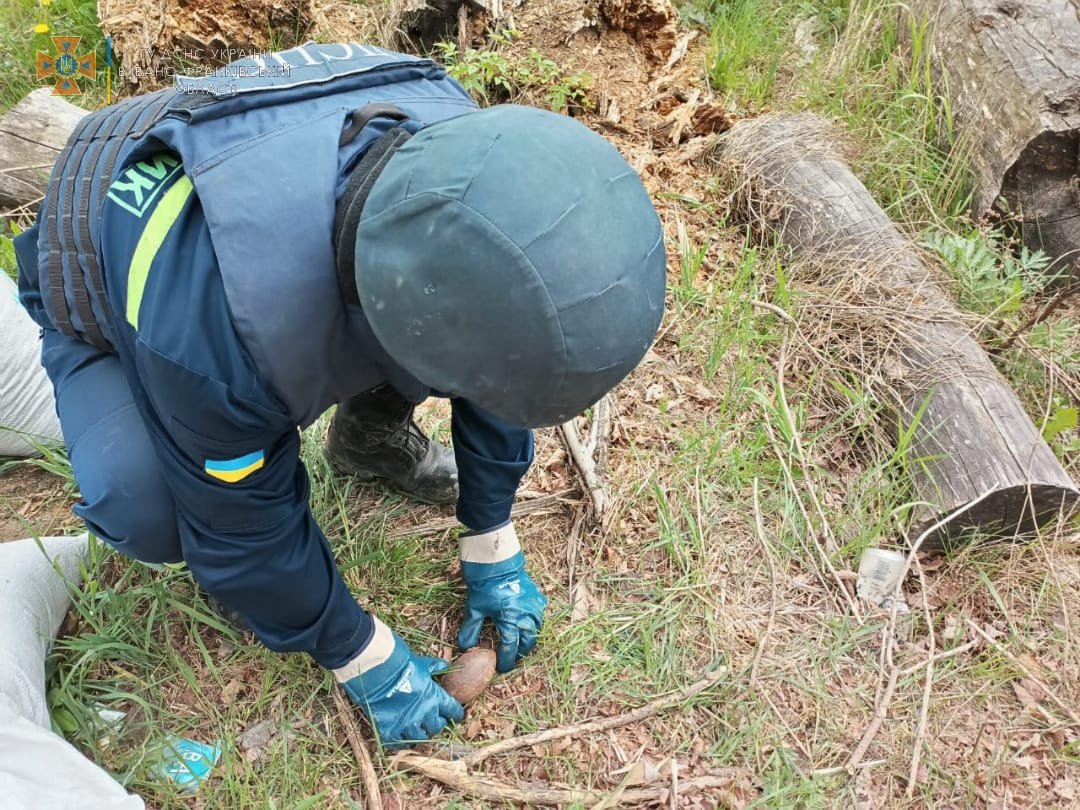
(20, 41)
(740, 482)
(492, 77)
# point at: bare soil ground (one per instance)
(33, 501)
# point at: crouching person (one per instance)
(216, 264)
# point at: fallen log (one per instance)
(971, 435)
(32, 133)
(1011, 71)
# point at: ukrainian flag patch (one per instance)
(235, 469)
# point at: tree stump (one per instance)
(1011, 71)
(32, 134)
(972, 436)
(157, 39)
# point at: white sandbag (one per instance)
(41, 771)
(33, 600)
(26, 395)
(38, 769)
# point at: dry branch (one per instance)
(372, 797)
(587, 467)
(942, 656)
(875, 300)
(885, 700)
(759, 527)
(928, 685)
(1061, 704)
(458, 774)
(454, 775)
(593, 726)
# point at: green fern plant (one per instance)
(992, 280)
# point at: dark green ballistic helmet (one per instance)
(512, 257)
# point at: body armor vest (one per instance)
(266, 142)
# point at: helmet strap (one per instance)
(351, 204)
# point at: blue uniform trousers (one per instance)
(125, 499)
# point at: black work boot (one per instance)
(373, 437)
(228, 615)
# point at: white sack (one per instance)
(33, 601)
(38, 769)
(26, 395)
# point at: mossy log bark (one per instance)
(1011, 71)
(973, 435)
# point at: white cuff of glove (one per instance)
(490, 547)
(375, 653)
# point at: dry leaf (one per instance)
(642, 772)
(580, 599)
(231, 690)
(1066, 789)
(254, 739)
(952, 629)
(1028, 692)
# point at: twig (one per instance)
(1027, 672)
(674, 795)
(922, 537)
(573, 545)
(600, 432)
(890, 632)
(882, 707)
(774, 309)
(540, 504)
(781, 362)
(759, 525)
(792, 734)
(1040, 316)
(870, 763)
(363, 758)
(928, 684)
(587, 467)
(1048, 363)
(942, 656)
(592, 726)
(796, 440)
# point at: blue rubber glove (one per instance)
(493, 567)
(395, 689)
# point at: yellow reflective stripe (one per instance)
(157, 228)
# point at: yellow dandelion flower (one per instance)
(41, 28)
(46, 2)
